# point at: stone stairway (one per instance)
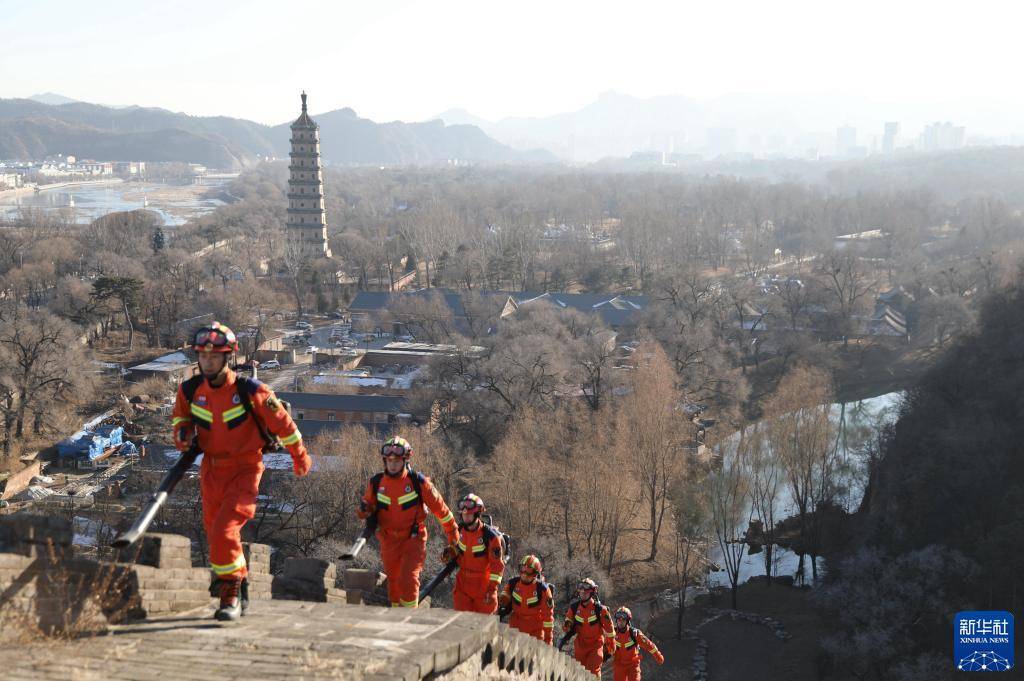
(152, 619)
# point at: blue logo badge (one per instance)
(983, 641)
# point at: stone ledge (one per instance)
(293, 639)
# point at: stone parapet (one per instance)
(291, 639)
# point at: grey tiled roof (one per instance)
(365, 403)
(615, 310)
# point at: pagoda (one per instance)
(307, 218)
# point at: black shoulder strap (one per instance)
(541, 586)
(375, 481)
(417, 481)
(489, 534)
(512, 583)
(246, 387)
(190, 386)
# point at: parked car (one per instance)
(303, 325)
(405, 338)
(270, 364)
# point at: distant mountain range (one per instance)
(52, 124)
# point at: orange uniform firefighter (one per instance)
(233, 418)
(530, 600)
(628, 642)
(592, 624)
(397, 496)
(480, 556)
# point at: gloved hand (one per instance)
(450, 553)
(301, 462)
(490, 597)
(609, 649)
(566, 626)
(364, 511)
(659, 658)
(183, 436)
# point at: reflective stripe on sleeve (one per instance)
(495, 577)
(291, 439)
(179, 419)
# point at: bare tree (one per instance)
(766, 478)
(801, 434)
(649, 419)
(728, 496)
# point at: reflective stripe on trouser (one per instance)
(473, 602)
(589, 654)
(229, 500)
(403, 561)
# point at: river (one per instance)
(175, 204)
(857, 423)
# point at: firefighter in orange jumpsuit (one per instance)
(233, 417)
(398, 496)
(592, 623)
(628, 642)
(480, 555)
(530, 600)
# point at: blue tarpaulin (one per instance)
(91, 444)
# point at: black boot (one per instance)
(230, 604)
(244, 594)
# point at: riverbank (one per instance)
(84, 201)
(79, 183)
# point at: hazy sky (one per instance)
(399, 59)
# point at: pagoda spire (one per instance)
(303, 101)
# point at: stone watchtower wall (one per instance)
(308, 621)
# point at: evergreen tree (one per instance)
(159, 241)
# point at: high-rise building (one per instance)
(846, 141)
(307, 218)
(892, 130)
(941, 136)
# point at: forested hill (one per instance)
(945, 508)
(347, 138)
(33, 130)
(952, 471)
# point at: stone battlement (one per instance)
(149, 615)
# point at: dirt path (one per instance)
(740, 651)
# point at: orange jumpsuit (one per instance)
(533, 613)
(229, 476)
(594, 634)
(402, 531)
(481, 565)
(627, 653)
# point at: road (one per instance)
(283, 379)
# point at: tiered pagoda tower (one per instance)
(307, 218)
